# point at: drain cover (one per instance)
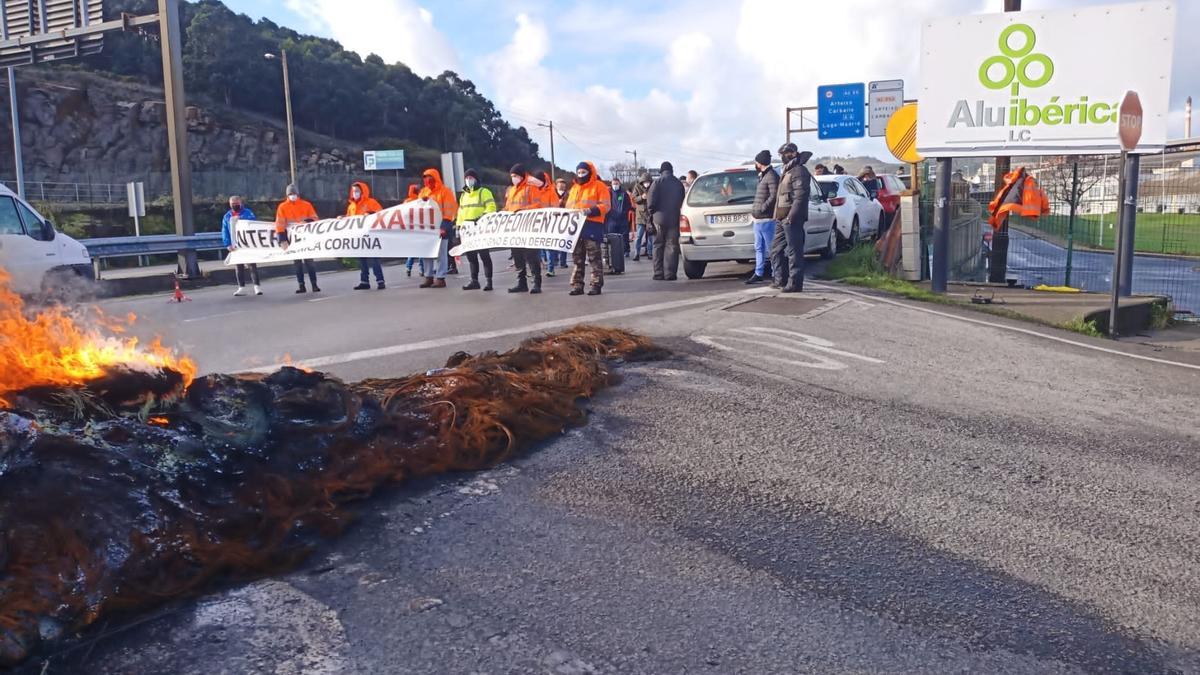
(779, 306)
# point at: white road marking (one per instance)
(767, 339)
(332, 359)
(1014, 329)
(804, 341)
(214, 316)
(827, 307)
(813, 360)
(327, 297)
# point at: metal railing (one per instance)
(315, 185)
(72, 193)
(129, 247)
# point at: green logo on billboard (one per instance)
(1014, 62)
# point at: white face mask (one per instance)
(292, 198)
(616, 186)
(516, 180)
(356, 193)
(535, 181)
(471, 183)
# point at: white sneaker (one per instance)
(239, 292)
(257, 290)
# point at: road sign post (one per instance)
(135, 193)
(1129, 131)
(840, 111)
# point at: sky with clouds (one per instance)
(703, 83)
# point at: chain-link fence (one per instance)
(1073, 244)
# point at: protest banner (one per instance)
(410, 230)
(548, 229)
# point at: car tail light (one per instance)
(837, 201)
(685, 226)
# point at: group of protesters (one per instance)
(652, 210)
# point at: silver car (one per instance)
(715, 225)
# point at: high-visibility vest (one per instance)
(474, 203)
(1021, 195)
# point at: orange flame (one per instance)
(50, 348)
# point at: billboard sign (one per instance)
(383, 160)
(1023, 83)
(30, 18)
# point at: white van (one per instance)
(35, 256)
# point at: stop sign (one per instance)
(1129, 126)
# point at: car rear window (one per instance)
(893, 184)
(722, 189)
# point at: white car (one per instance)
(715, 225)
(36, 257)
(858, 214)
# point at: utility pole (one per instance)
(19, 161)
(1187, 117)
(998, 270)
(181, 170)
(635, 162)
(287, 104)
(553, 166)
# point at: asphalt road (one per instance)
(836, 483)
(1038, 261)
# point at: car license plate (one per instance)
(729, 219)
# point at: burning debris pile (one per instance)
(135, 486)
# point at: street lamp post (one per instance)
(635, 162)
(287, 98)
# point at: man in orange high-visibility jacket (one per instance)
(362, 203)
(436, 191)
(528, 191)
(292, 211)
(590, 195)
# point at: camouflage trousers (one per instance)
(587, 252)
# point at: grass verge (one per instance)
(858, 267)
(1082, 327)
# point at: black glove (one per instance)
(594, 211)
(281, 237)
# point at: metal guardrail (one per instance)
(119, 247)
(128, 247)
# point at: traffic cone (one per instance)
(179, 296)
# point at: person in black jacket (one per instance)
(665, 203)
(791, 213)
(763, 215)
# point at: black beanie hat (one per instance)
(666, 167)
(763, 157)
(470, 173)
(517, 169)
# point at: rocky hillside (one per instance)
(80, 127)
